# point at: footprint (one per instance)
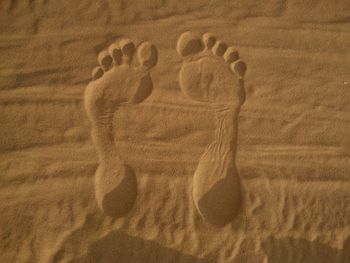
(212, 72)
(116, 81)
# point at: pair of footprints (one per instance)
(211, 72)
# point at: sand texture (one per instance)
(173, 131)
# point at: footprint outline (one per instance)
(117, 81)
(216, 187)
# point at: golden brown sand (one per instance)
(175, 131)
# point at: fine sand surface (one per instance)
(175, 131)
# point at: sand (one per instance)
(175, 131)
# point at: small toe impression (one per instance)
(219, 48)
(239, 67)
(189, 43)
(105, 60)
(116, 53)
(147, 54)
(127, 47)
(209, 40)
(97, 73)
(231, 55)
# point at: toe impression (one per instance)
(97, 73)
(105, 60)
(189, 43)
(147, 55)
(128, 49)
(239, 67)
(209, 40)
(231, 55)
(219, 48)
(116, 53)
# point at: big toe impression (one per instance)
(147, 55)
(189, 43)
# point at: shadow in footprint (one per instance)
(122, 248)
(290, 250)
(125, 191)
